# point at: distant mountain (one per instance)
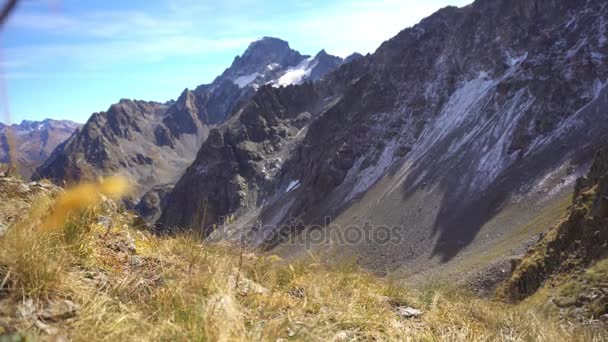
(272, 61)
(458, 132)
(33, 141)
(353, 57)
(153, 143)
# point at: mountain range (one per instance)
(456, 134)
(32, 142)
(153, 143)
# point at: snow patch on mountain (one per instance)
(297, 74)
(273, 66)
(293, 185)
(244, 81)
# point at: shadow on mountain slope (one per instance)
(463, 210)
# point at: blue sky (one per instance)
(66, 59)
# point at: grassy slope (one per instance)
(131, 285)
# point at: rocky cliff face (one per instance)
(148, 142)
(571, 247)
(470, 111)
(578, 241)
(33, 142)
(153, 143)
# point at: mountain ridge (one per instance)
(152, 143)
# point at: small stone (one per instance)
(26, 309)
(45, 328)
(60, 310)
(130, 245)
(98, 279)
(246, 286)
(136, 261)
(23, 189)
(408, 312)
(341, 336)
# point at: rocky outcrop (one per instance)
(573, 245)
(324, 64)
(148, 142)
(239, 158)
(437, 131)
(32, 142)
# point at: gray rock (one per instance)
(59, 310)
(130, 245)
(23, 189)
(408, 312)
(126, 245)
(136, 261)
(26, 309)
(101, 280)
(45, 328)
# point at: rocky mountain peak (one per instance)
(264, 55)
(186, 99)
(322, 54)
(31, 125)
(353, 57)
(322, 64)
(269, 49)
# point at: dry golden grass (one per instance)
(83, 196)
(179, 288)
